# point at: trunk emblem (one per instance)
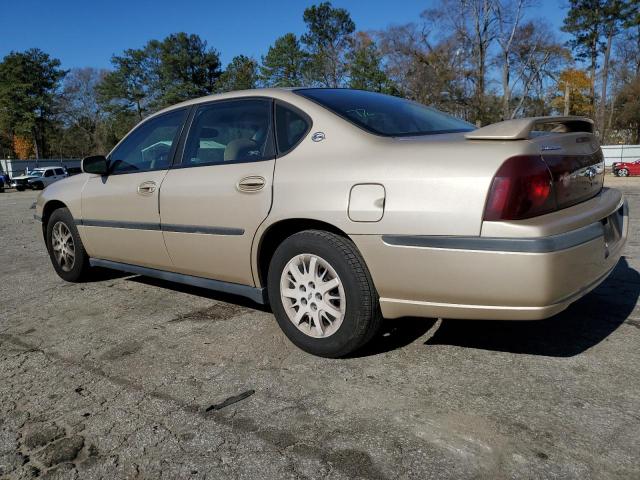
(318, 136)
(546, 148)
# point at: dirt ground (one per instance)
(127, 377)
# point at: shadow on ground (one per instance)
(201, 292)
(584, 324)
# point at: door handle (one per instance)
(251, 184)
(146, 188)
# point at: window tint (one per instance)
(48, 173)
(59, 171)
(384, 114)
(149, 145)
(232, 131)
(291, 127)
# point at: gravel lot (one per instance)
(128, 377)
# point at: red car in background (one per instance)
(624, 169)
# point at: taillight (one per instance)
(522, 188)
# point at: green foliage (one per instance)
(328, 39)
(628, 110)
(365, 67)
(28, 83)
(284, 64)
(241, 74)
(186, 68)
(161, 73)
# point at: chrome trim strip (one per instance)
(162, 227)
(201, 229)
(549, 244)
(258, 295)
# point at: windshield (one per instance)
(383, 114)
(36, 173)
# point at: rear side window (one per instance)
(384, 114)
(291, 127)
(230, 131)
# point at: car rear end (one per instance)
(550, 233)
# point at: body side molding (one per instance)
(549, 244)
(162, 227)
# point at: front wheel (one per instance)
(322, 294)
(20, 189)
(67, 253)
(623, 172)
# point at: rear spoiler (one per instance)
(523, 128)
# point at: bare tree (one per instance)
(536, 58)
(508, 17)
(79, 108)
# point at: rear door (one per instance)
(213, 201)
(120, 212)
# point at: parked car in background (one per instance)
(38, 178)
(339, 207)
(626, 169)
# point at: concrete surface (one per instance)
(127, 377)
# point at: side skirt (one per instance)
(258, 295)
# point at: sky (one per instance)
(86, 33)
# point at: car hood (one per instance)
(24, 177)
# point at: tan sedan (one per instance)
(340, 207)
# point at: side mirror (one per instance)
(96, 164)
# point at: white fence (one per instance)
(620, 153)
(17, 167)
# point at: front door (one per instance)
(212, 203)
(120, 212)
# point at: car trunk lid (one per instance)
(567, 146)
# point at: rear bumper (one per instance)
(507, 278)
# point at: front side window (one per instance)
(383, 114)
(291, 127)
(230, 131)
(148, 147)
(59, 171)
(48, 173)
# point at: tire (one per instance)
(38, 186)
(623, 172)
(20, 189)
(355, 297)
(71, 271)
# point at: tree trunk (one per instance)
(592, 83)
(506, 90)
(36, 147)
(605, 77)
(567, 99)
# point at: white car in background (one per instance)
(39, 178)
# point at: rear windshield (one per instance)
(383, 114)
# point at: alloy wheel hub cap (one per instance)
(312, 295)
(63, 247)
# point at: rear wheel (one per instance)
(322, 295)
(66, 251)
(623, 172)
